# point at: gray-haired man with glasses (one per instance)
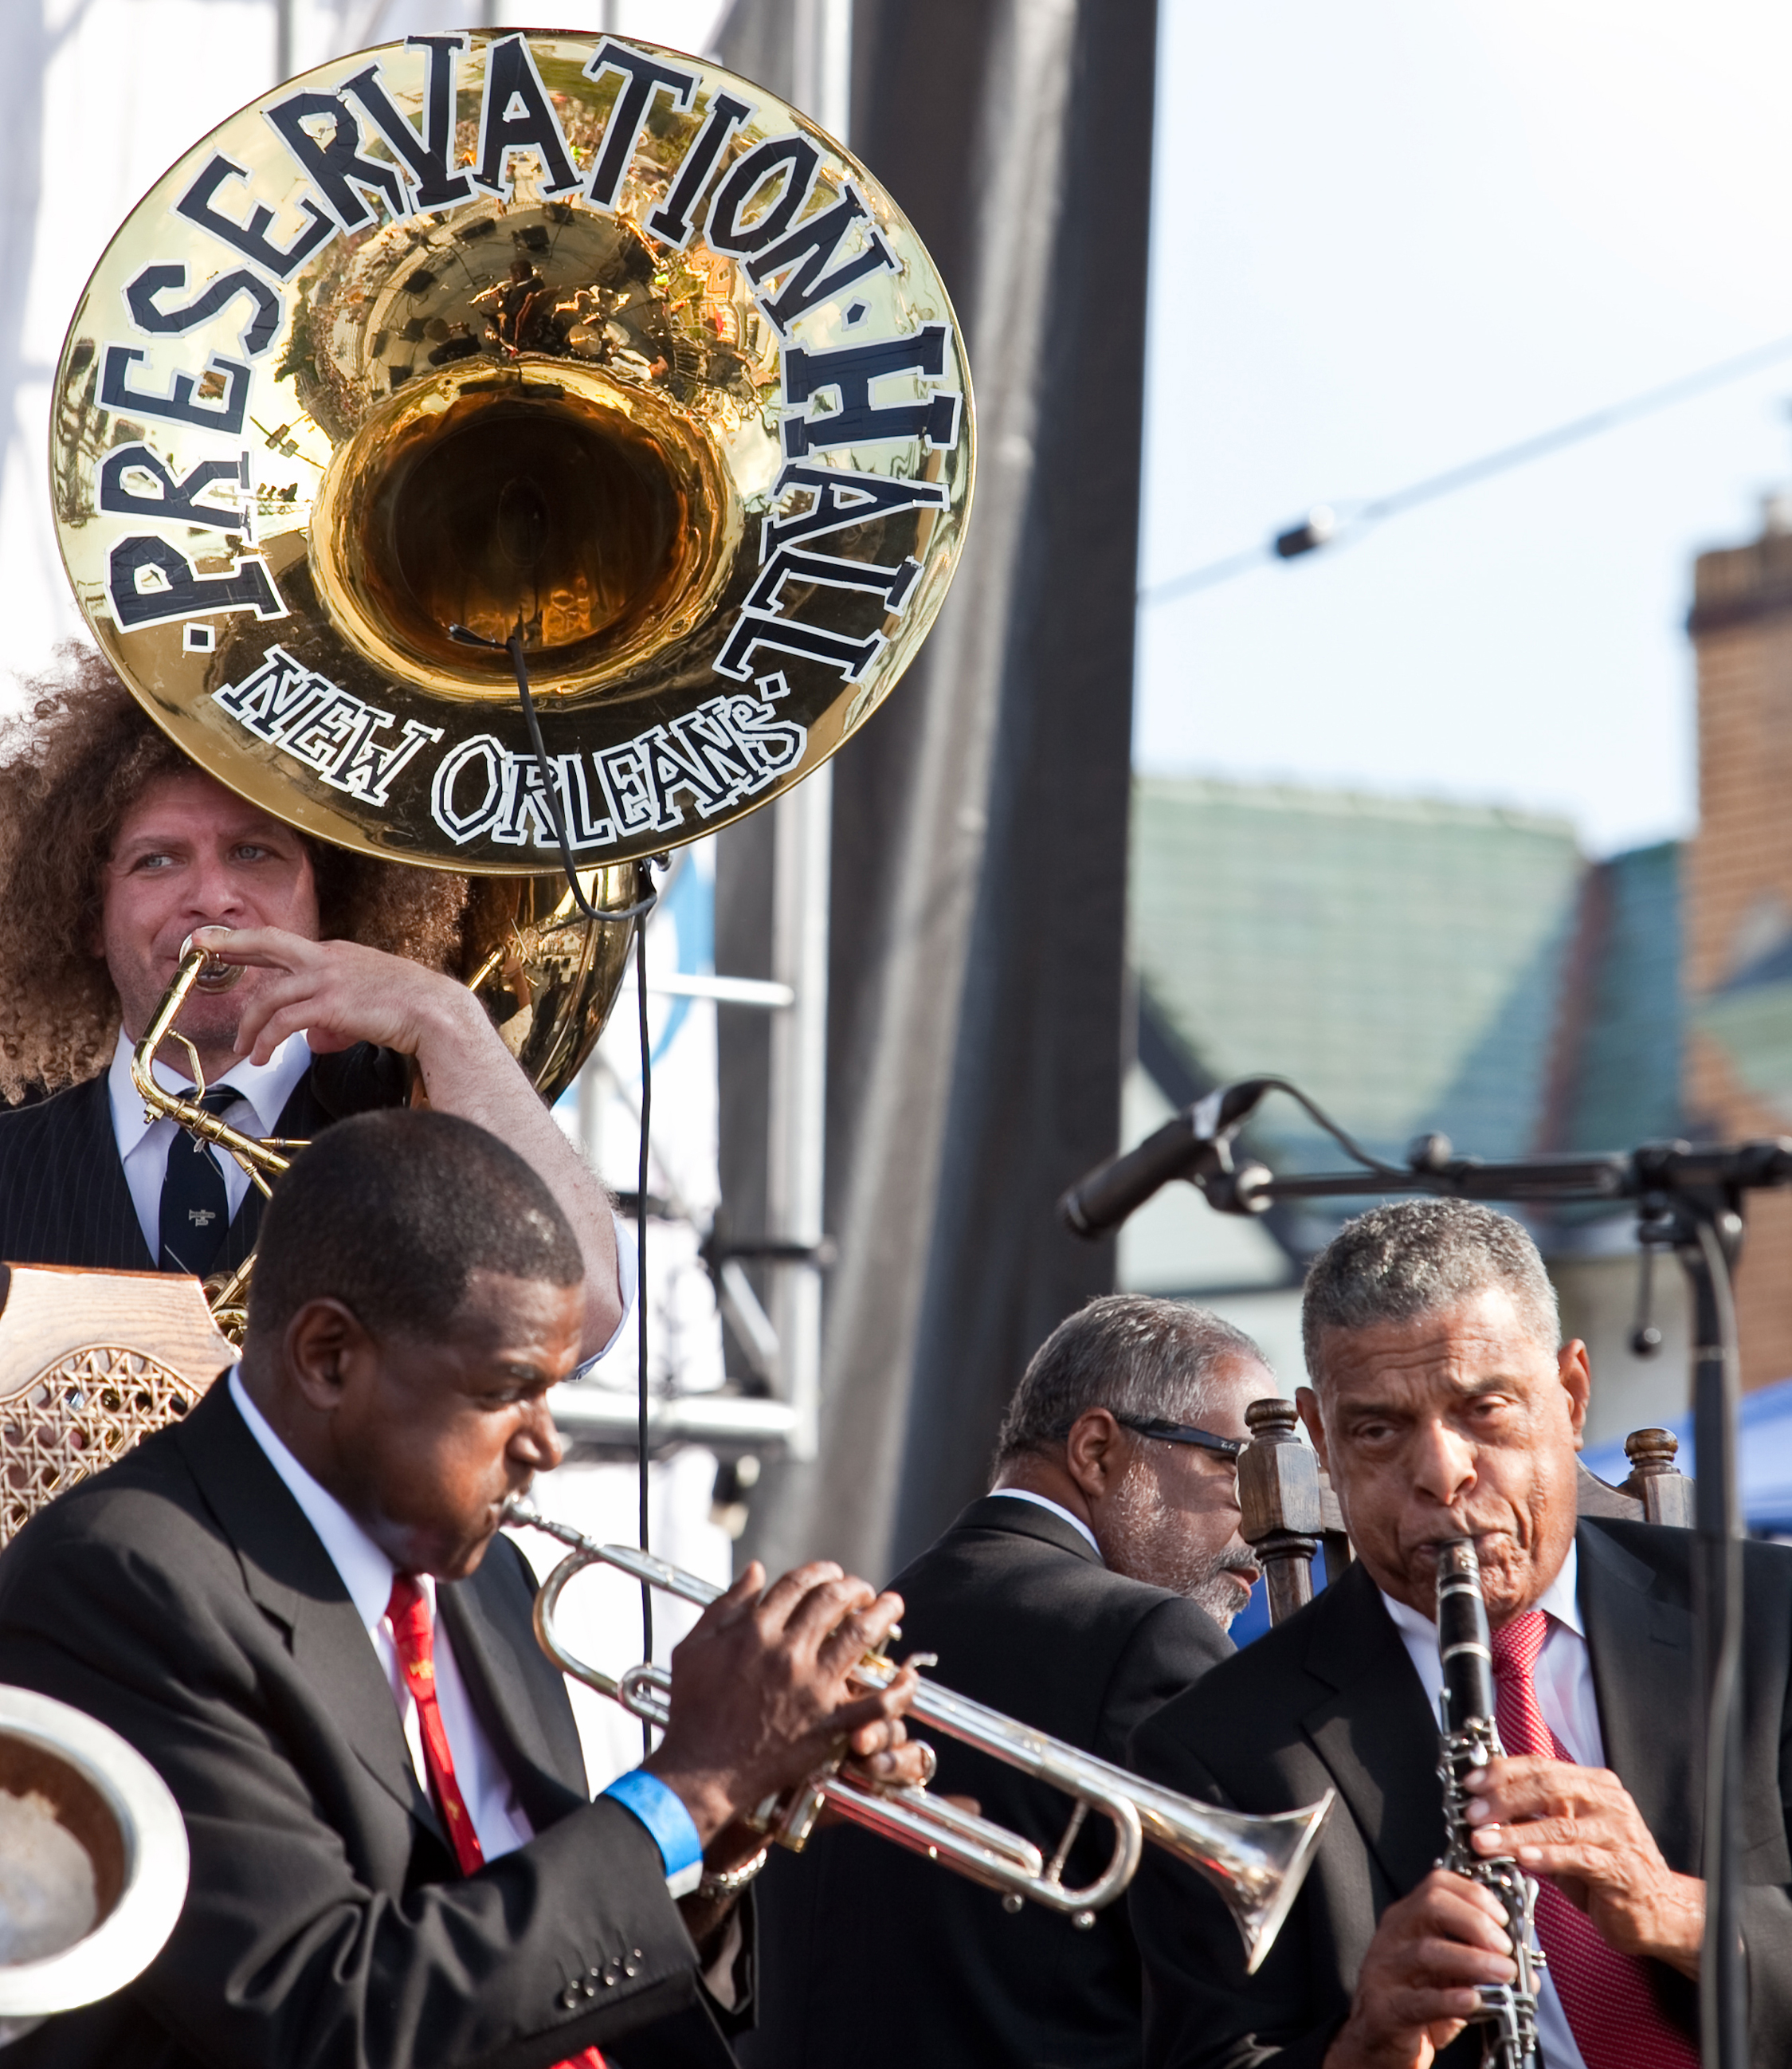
(1091, 1583)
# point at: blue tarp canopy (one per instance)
(1764, 1448)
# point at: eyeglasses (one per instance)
(1179, 1433)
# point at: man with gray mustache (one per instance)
(1091, 1583)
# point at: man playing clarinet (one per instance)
(1445, 1406)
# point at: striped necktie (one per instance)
(414, 1637)
(1611, 2009)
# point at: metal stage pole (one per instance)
(796, 1121)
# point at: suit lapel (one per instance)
(520, 1696)
(1642, 1651)
(107, 1207)
(292, 1578)
(1375, 1733)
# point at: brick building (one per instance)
(1738, 968)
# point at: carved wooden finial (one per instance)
(1270, 1418)
(1651, 1451)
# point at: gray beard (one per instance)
(1154, 1547)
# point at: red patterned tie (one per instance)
(409, 1610)
(1611, 2011)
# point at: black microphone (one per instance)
(1103, 1199)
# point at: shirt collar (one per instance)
(265, 1087)
(366, 1571)
(1559, 1600)
(1057, 1508)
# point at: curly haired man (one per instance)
(114, 847)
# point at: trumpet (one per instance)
(227, 1294)
(1257, 1864)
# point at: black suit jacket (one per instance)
(182, 1597)
(62, 1196)
(872, 1956)
(1329, 1699)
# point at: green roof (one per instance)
(1400, 960)
(1625, 1087)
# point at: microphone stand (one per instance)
(1688, 1200)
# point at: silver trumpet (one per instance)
(1257, 1864)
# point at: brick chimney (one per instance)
(1737, 952)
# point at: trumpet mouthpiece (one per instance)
(214, 973)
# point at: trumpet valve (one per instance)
(797, 1821)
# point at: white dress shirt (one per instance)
(1057, 1508)
(1563, 1678)
(143, 1144)
(366, 1573)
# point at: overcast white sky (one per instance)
(1392, 235)
(1389, 235)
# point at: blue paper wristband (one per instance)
(660, 1811)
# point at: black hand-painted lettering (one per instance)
(337, 169)
(849, 372)
(786, 564)
(176, 498)
(427, 156)
(841, 499)
(251, 238)
(224, 415)
(516, 116)
(785, 635)
(258, 333)
(181, 593)
(794, 159)
(643, 77)
(671, 222)
(805, 253)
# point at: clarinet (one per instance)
(1471, 1738)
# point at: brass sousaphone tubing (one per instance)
(1257, 1864)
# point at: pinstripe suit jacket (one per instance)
(62, 1196)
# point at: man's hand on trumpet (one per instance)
(338, 992)
(762, 1696)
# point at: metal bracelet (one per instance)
(730, 1882)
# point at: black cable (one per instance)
(640, 1297)
(519, 661)
(610, 916)
(1348, 1143)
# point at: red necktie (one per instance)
(409, 1609)
(1611, 2011)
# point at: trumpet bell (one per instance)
(93, 1861)
(1256, 1863)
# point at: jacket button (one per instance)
(570, 1997)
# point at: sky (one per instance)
(1392, 236)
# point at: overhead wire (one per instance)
(1324, 526)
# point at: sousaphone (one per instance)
(567, 346)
